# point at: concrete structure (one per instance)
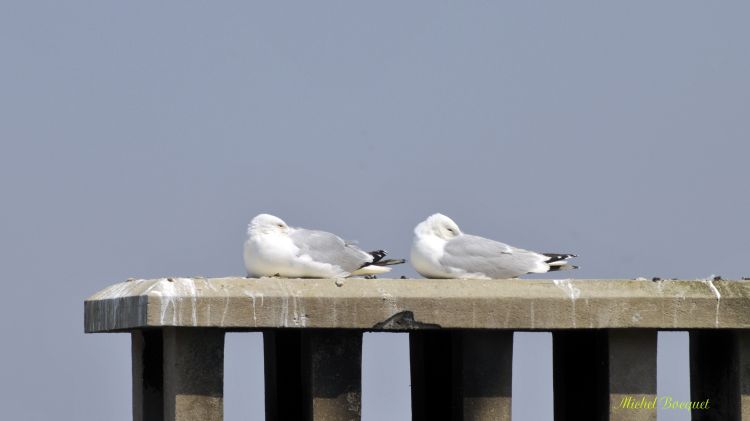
(604, 343)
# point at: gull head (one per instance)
(438, 225)
(267, 224)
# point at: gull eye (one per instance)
(280, 225)
(450, 229)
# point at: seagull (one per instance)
(273, 248)
(441, 250)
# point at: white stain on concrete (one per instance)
(532, 315)
(710, 282)
(284, 315)
(299, 306)
(299, 318)
(636, 317)
(659, 288)
(209, 286)
(389, 300)
(226, 309)
(193, 301)
(568, 287)
(172, 294)
(110, 298)
(291, 306)
(679, 302)
(123, 289)
(254, 295)
(571, 291)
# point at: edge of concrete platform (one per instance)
(406, 304)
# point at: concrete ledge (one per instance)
(405, 304)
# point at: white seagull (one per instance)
(273, 248)
(441, 250)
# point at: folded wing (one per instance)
(478, 255)
(325, 247)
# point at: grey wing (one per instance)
(325, 247)
(475, 254)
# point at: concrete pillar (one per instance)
(147, 354)
(632, 375)
(282, 356)
(193, 374)
(486, 375)
(332, 374)
(431, 356)
(719, 369)
(597, 372)
(579, 373)
(743, 352)
(461, 375)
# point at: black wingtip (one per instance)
(377, 255)
(556, 257)
(389, 262)
(562, 267)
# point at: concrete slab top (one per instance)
(404, 304)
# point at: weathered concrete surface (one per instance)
(743, 372)
(461, 375)
(332, 374)
(486, 375)
(632, 375)
(249, 304)
(193, 374)
(313, 374)
(604, 374)
(720, 375)
(742, 338)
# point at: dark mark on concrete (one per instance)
(404, 321)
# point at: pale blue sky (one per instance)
(139, 138)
